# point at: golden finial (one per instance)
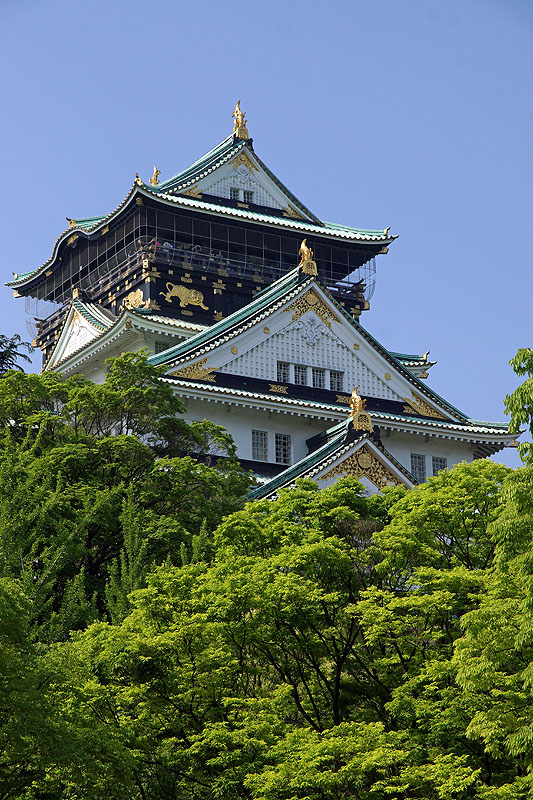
(154, 179)
(71, 222)
(138, 181)
(361, 419)
(306, 259)
(239, 127)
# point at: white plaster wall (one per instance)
(240, 422)
(401, 446)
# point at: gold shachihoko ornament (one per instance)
(361, 419)
(239, 128)
(306, 259)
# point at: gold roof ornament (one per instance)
(154, 179)
(306, 259)
(138, 181)
(361, 419)
(239, 127)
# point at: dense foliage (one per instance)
(11, 351)
(160, 639)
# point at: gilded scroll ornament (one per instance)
(134, 300)
(363, 462)
(361, 419)
(311, 301)
(193, 191)
(188, 297)
(306, 259)
(274, 387)
(239, 126)
(289, 211)
(415, 403)
(197, 371)
(154, 180)
(243, 159)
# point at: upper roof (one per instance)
(187, 189)
(223, 152)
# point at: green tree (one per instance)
(74, 457)
(305, 652)
(10, 352)
(519, 404)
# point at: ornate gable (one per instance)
(245, 179)
(350, 455)
(77, 332)
(308, 341)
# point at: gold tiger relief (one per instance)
(188, 297)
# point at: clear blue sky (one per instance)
(414, 114)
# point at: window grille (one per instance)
(418, 467)
(160, 347)
(336, 381)
(248, 196)
(233, 193)
(300, 374)
(319, 377)
(283, 448)
(439, 464)
(260, 445)
(283, 371)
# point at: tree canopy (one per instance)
(161, 638)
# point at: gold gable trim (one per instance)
(363, 462)
(310, 301)
(193, 191)
(197, 371)
(415, 403)
(243, 158)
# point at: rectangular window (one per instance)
(319, 377)
(260, 445)
(248, 196)
(418, 467)
(283, 448)
(300, 374)
(439, 464)
(160, 347)
(233, 193)
(283, 371)
(336, 381)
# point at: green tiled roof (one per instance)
(93, 314)
(408, 357)
(206, 163)
(88, 222)
(313, 460)
(335, 226)
(223, 152)
(305, 463)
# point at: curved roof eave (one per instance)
(83, 228)
(138, 187)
